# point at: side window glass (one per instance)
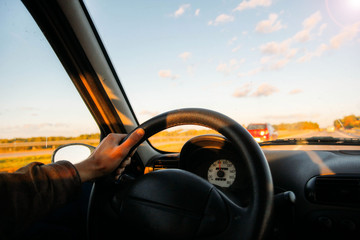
(40, 108)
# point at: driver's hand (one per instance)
(108, 156)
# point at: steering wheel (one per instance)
(177, 204)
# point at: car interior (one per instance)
(219, 186)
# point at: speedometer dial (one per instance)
(222, 172)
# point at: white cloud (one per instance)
(167, 74)
(278, 55)
(291, 53)
(232, 40)
(222, 67)
(317, 53)
(265, 59)
(181, 10)
(302, 36)
(242, 91)
(235, 49)
(308, 25)
(312, 20)
(295, 91)
(251, 72)
(281, 53)
(275, 48)
(197, 12)
(252, 4)
(347, 34)
(185, 55)
(278, 59)
(223, 18)
(279, 64)
(231, 66)
(269, 25)
(265, 90)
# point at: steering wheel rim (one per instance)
(259, 210)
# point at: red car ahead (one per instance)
(262, 131)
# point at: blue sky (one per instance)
(256, 60)
(37, 97)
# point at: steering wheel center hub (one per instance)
(181, 204)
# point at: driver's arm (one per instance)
(36, 189)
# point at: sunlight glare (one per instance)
(354, 3)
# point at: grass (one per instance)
(13, 164)
(169, 147)
(35, 148)
(292, 133)
(176, 143)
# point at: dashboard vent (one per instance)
(334, 190)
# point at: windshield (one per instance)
(293, 64)
(256, 126)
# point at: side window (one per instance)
(40, 108)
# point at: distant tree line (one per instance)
(297, 126)
(348, 122)
(52, 138)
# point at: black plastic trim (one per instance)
(107, 57)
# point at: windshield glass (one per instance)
(293, 64)
(40, 108)
(256, 126)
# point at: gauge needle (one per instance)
(219, 165)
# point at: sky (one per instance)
(255, 61)
(37, 98)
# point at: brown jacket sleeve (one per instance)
(34, 191)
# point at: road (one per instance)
(336, 134)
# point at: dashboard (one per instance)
(316, 192)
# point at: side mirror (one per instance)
(73, 152)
